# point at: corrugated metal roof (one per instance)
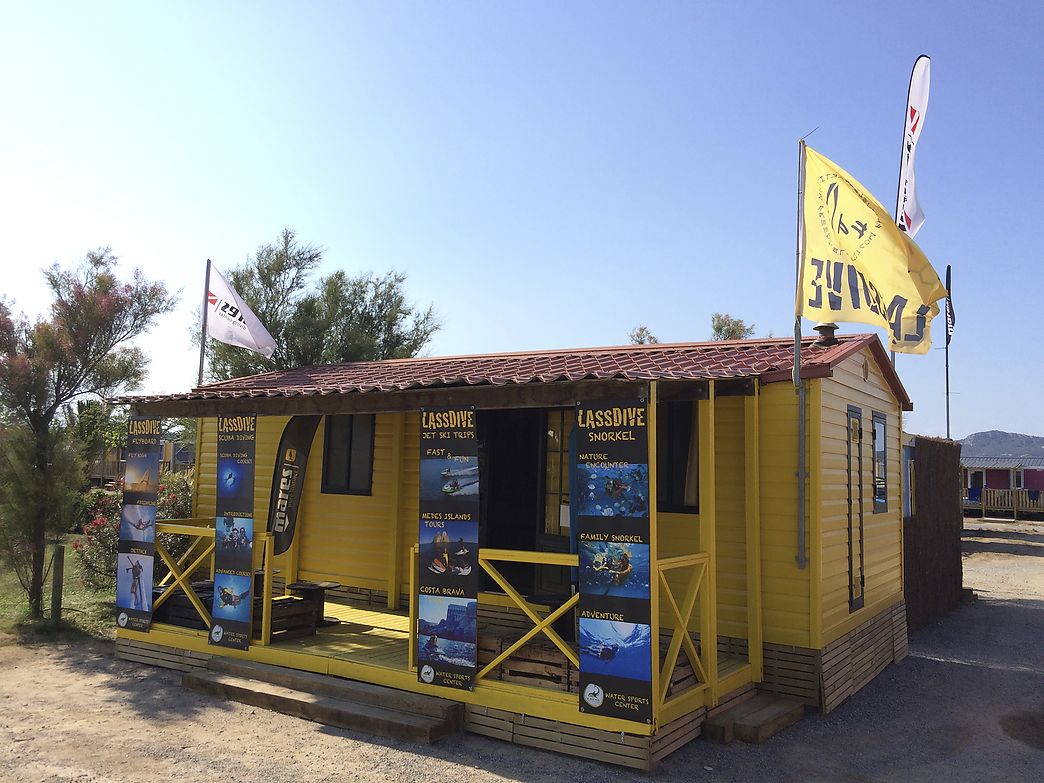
(770, 360)
(1003, 463)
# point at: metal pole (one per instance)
(798, 385)
(947, 388)
(203, 330)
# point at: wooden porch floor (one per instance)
(381, 637)
(377, 637)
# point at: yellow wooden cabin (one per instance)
(811, 608)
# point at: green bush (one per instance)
(98, 548)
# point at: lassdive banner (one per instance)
(908, 213)
(857, 265)
(234, 532)
(137, 540)
(447, 630)
(288, 479)
(611, 491)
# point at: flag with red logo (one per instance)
(231, 321)
(908, 214)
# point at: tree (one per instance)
(725, 327)
(81, 351)
(342, 319)
(640, 335)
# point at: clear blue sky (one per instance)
(547, 174)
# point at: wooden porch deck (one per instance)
(377, 637)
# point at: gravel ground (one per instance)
(968, 704)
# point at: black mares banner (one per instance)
(234, 532)
(611, 490)
(288, 479)
(447, 631)
(137, 541)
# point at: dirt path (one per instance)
(967, 705)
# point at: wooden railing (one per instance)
(543, 625)
(703, 660)
(199, 554)
(1014, 500)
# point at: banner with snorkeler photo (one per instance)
(137, 537)
(447, 632)
(611, 491)
(234, 533)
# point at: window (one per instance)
(880, 464)
(1017, 483)
(677, 457)
(348, 454)
(557, 469)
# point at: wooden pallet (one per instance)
(291, 618)
(159, 655)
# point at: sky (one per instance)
(547, 175)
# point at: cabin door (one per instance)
(855, 508)
(510, 443)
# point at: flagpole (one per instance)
(203, 330)
(949, 333)
(798, 385)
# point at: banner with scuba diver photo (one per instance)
(447, 631)
(234, 533)
(137, 536)
(611, 492)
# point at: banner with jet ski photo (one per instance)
(447, 632)
(137, 537)
(611, 491)
(234, 533)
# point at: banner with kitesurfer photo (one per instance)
(447, 632)
(611, 491)
(234, 533)
(137, 536)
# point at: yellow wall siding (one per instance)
(678, 534)
(730, 527)
(409, 496)
(882, 533)
(785, 587)
(345, 538)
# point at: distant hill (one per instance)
(995, 443)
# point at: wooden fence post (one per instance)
(57, 581)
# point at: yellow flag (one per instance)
(857, 265)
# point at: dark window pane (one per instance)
(880, 464)
(348, 454)
(360, 468)
(677, 457)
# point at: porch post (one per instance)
(752, 512)
(394, 561)
(654, 556)
(708, 517)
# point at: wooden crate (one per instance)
(159, 655)
(291, 618)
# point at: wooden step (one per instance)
(338, 688)
(321, 709)
(754, 720)
(758, 725)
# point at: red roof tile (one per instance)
(770, 360)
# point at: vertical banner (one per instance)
(137, 541)
(611, 491)
(234, 533)
(288, 479)
(447, 631)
